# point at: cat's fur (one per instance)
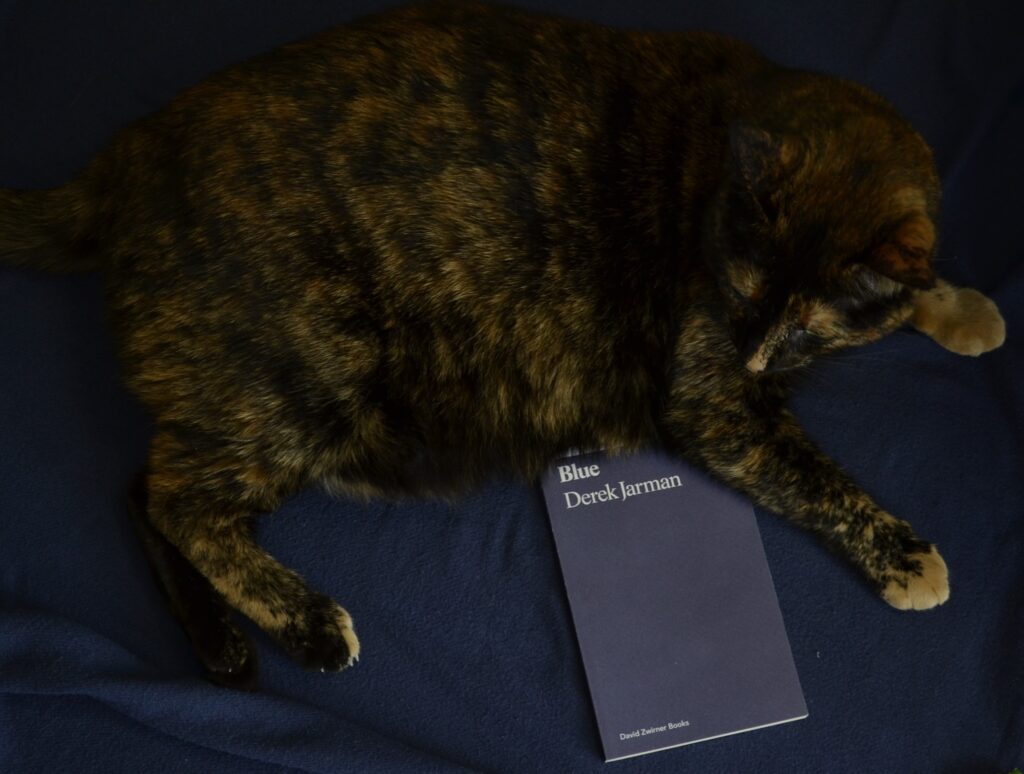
(449, 242)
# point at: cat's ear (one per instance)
(905, 256)
(765, 159)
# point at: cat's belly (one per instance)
(417, 456)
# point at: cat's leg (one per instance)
(223, 649)
(762, 451)
(203, 504)
(960, 319)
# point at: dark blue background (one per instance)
(470, 658)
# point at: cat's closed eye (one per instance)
(863, 279)
(866, 298)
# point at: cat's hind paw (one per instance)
(921, 588)
(232, 661)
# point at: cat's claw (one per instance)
(922, 589)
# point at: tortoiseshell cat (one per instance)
(449, 242)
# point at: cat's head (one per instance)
(825, 226)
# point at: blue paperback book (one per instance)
(675, 612)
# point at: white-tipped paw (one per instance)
(321, 635)
(922, 589)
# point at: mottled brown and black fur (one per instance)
(450, 242)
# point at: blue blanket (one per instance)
(470, 657)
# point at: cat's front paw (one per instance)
(321, 636)
(924, 585)
(962, 320)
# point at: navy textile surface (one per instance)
(470, 658)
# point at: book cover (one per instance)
(676, 616)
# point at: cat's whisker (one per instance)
(815, 376)
(850, 360)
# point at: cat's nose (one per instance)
(758, 361)
(780, 355)
(790, 353)
(753, 353)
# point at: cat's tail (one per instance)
(52, 229)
